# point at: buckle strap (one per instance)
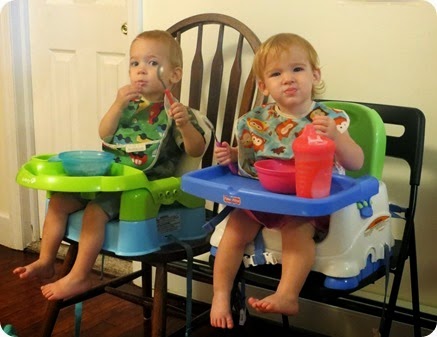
(189, 296)
(210, 225)
(265, 258)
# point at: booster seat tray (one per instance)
(152, 213)
(218, 184)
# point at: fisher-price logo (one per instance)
(231, 200)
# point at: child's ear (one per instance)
(317, 75)
(262, 88)
(176, 75)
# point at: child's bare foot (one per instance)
(275, 303)
(65, 288)
(37, 269)
(221, 316)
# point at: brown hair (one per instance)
(277, 44)
(174, 49)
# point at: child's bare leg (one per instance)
(240, 230)
(90, 244)
(298, 254)
(60, 206)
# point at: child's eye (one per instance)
(134, 64)
(275, 74)
(297, 69)
(153, 63)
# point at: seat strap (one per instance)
(260, 255)
(77, 318)
(396, 210)
(238, 297)
(78, 307)
(243, 309)
(210, 225)
(189, 296)
(258, 242)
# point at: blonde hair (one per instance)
(174, 49)
(277, 44)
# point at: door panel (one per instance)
(78, 54)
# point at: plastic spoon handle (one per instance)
(169, 96)
(233, 168)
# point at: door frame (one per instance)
(16, 102)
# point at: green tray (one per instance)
(43, 174)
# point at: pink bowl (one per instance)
(277, 175)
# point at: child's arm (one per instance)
(109, 123)
(194, 143)
(348, 153)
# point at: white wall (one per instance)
(370, 51)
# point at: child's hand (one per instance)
(126, 94)
(325, 126)
(179, 113)
(222, 153)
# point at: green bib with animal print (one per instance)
(140, 134)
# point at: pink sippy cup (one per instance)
(314, 160)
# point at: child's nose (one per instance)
(142, 69)
(287, 77)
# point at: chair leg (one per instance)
(389, 312)
(146, 285)
(399, 270)
(50, 318)
(159, 312)
(414, 286)
(54, 307)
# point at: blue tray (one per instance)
(218, 184)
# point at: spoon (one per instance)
(167, 92)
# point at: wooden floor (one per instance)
(23, 306)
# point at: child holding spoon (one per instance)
(141, 133)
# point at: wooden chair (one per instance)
(223, 100)
(219, 82)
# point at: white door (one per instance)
(79, 60)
